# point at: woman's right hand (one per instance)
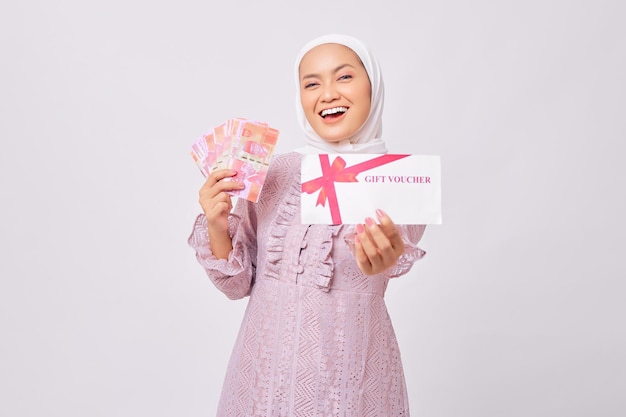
(217, 204)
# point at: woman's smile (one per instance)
(333, 114)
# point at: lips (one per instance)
(333, 112)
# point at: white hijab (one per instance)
(368, 138)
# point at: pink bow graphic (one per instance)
(337, 172)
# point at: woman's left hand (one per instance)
(377, 246)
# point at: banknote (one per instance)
(243, 145)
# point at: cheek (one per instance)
(365, 110)
(368, 93)
(308, 106)
(362, 94)
(306, 102)
(365, 98)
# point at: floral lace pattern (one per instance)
(316, 338)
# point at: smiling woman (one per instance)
(334, 91)
(367, 138)
(316, 337)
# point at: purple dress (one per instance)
(316, 338)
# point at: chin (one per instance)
(334, 138)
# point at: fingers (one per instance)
(214, 184)
(378, 246)
(390, 231)
(218, 183)
(220, 205)
(365, 252)
(213, 197)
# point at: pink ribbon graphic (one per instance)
(337, 172)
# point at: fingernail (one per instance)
(359, 228)
(369, 221)
(380, 213)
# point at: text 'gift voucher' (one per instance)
(347, 188)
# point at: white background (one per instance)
(518, 308)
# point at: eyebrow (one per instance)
(340, 67)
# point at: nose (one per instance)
(330, 93)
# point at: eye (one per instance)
(345, 77)
(310, 84)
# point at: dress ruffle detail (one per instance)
(286, 211)
(325, 268)
(284, 220)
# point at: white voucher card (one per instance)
(347, 188)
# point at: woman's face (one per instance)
(335, 91)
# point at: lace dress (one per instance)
(316, 338)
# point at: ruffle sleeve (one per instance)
(233, 276)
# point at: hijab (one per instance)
(368, 138)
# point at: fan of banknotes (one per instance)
(243, 145)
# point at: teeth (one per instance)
(334, 110)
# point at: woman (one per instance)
(316, 338)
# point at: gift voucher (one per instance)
(243, 145)
(347, 188)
